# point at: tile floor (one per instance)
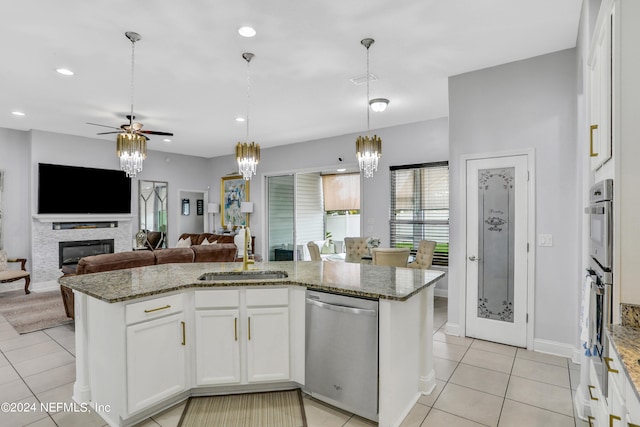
(479, 383)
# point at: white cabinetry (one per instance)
(242, 336)
(624, 408)
(600, 144)
(217, 337)
(615, 108)
(155, 351)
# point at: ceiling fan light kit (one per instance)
(368, 148)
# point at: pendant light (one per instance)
(131, 147)
(368, 148)
(248, 154)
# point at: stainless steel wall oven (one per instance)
(600, 269)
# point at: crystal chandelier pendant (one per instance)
(132, 150)
(248, 157)
(368, 151)
(368, 148)
(248, 154)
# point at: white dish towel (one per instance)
(586, 325)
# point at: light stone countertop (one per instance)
(352, 279)
(626, 342)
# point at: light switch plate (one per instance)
(545, 240)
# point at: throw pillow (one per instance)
(207, 242)
(328, 248)
(184, 243)
(3, 261)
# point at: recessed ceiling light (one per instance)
(246, 31)
(166, 140)
(239, 119)
(340, 170)
(65, 71)
(17, 113)
(379, 104)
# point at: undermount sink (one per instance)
(243, 275)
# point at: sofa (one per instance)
(197, 252)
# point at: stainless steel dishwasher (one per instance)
(342, 352)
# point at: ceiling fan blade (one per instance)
(104, 126)
(153, 132)
(106, 133)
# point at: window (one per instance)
(420, 207)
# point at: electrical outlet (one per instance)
(545, 240)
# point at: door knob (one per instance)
(473, 258)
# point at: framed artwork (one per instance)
(233, 191)
(199, 207)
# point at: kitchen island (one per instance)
(147, 338)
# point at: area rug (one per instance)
(272, 409)
(33, 312)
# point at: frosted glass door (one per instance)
(495, 243)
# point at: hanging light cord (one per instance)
(248, 96)
(368, 127)
(133, 58)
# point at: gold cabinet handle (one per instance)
(591, 387)
(613, 417)
(249, 321)
(590, 420)
(158, 309)
(184, 335)
(235, 328)
(607, 361)
(591, 129)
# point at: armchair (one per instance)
(9, 275)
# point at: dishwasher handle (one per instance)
(342, 308)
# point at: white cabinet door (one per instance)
(217, 347)
(600, 142)
(267, 344)
(155, 361)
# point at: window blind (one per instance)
(420, 207)
(341, 192)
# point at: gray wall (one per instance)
(420, 142)
(522, 105)
(192, 223)
(16, 220)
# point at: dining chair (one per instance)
(355, 248)
(314, 251)
(395, 257)
(424, 255)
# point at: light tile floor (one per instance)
(479, 383)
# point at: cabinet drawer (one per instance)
(153, 308)
(615, 370)
(267, 297)
(224, 298)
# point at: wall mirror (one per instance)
(152, 206)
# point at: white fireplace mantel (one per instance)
(82, 217)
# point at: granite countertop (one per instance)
(626, 343)
(360, 280)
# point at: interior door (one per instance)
(496, 258)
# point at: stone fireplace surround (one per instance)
(45, 239)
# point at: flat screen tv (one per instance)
(78, 190)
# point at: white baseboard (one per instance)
(452, 329)
(554, 347)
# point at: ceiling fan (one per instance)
(131, 127)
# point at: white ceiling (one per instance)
(190, 78)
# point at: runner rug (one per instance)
(273, 409)
(33, 312)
